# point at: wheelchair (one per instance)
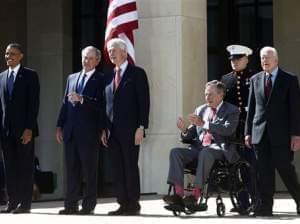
(224, 178)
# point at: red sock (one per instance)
(179, 190)
(196, 192)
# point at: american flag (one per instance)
(122, 19)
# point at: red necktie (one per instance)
(117, 79)
(207, 137)
(268, 85)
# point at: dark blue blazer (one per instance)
(279, 115)
(87, 119)
(131, 103)
(20, 111)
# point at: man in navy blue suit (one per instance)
(19, 95)
(79, 127)
(127, 110)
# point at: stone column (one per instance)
(171, 46)
(286, 19)
(49, 47)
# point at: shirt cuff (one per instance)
(82, 100)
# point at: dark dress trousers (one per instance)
(271, 121)
(3, 197)
(82, 125)
(127, 109)
(19, 111)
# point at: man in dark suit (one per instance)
(273, 128)
(127, 107)
(212, 125)
(237, 84)
(20, 96)
(3, 192)
(79, 127)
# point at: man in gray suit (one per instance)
(212, 126)
(273, 127)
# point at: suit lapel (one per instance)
(73, 82)
(110, 87)
(260, 85)
(4, 82)
(89, 82)
(220, 112)
(277, 85)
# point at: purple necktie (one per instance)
(268, 85)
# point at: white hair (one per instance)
(118, 43)
(267, 49)
(91, 48)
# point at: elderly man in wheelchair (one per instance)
(211, 128)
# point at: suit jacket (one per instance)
(85, 119)
(130, 103)
(20, 111)
(223, 129)
(279, 115)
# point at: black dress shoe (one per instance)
(21, 211)
(120, 211)
(174, 199)
(68, 211)
(85, 212)
(133, 209)
(8, 210)
(3, 197)
(234, 210)
(263, 213)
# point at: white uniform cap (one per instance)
(238, 51)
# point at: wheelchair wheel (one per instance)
(221, 209)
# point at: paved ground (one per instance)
(152, 213)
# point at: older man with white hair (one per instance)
(127, 110)
(273, 128)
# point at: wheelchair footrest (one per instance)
(200, 207)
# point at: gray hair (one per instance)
(16, 46)
(118, 43)
(267, 49)
(91, 48)
(218, 85)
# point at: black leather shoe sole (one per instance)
(7, 210)
(133, 212)
(85, 212)
(117, 212)
(68, 212)
(21, 211)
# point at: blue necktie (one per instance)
(10, 83)
(80, 85)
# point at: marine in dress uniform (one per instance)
(237, 84)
